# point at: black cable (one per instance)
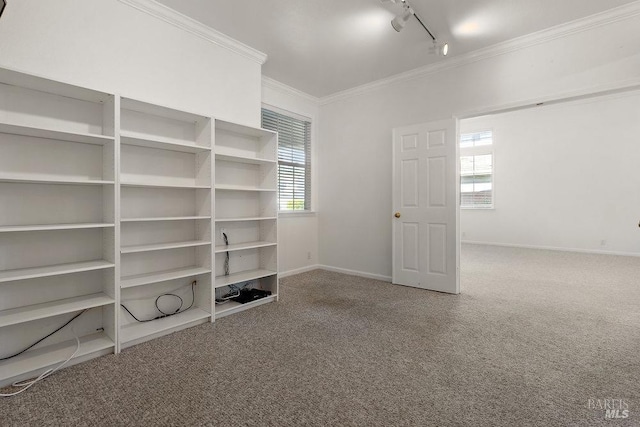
(193, 300)
(170, 295)
(42, 339)
(227, 271)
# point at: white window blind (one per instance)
(294, 159)
(476, 170)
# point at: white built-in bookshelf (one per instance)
(245, 186)
(109, 201)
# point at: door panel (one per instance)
(425, 206)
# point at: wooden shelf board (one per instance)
(38, 132)
(165, 218)
(41, 84)
(162, 246)
(243, 130)
(135, 331)
(53, 308)
(243, 276)
(44, 357)
(251, 218)
(243, 188)
(54, 181)
(53, 270)
(243, 246)
(52, 227)
(160, 111)
(161, 276)
(170, 144)
(229, 157)
(232, 307)
(162, 185)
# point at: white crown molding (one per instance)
(608, 17)
(166, 14)
(288, 90)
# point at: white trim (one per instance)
(298, 271)
(561, 97)
(288, 90)
(553, 248)
(355, 273)
(291, 214)
(170, 16)
(610, 16)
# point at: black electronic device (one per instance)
(249, 295)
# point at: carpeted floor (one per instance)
(533, 337)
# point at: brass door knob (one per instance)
(397, 215)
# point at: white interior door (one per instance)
(426, 248)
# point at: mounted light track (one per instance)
(401, 19)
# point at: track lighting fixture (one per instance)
(402, 18)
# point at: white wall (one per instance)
(298, 232)
(355, 160)
(564, 176)
(110, 46)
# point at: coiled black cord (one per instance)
(163, 315)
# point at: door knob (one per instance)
(397, 215)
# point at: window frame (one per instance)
(308, 199)
(478, 151)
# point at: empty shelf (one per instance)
(242, 188)
(235, 307)
(243, 246)
(52, 227)
(36, 132)
(220, 155)
(135, 331)
(139, 140)
(251, 218)
(161, 276)
(43, 357)
(160, 184)
(162, 246)
(243, 276)
(165, 218)
(52, 270)
(57, 181)
(53, 308)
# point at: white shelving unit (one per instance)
(109, 201)
(166, 172)
(57, 223)
(246, 211)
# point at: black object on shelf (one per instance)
(249, 295)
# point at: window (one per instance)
(294, 159)
(476, 170)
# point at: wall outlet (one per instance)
(308, 255)
(464, 234)
(603, 242)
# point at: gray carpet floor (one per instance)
(534, 336)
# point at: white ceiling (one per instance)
(324, 46)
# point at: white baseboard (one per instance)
(298, 271)
(355, 273)
(553, 248)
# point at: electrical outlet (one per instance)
(603, 242)
(464, 234)
(309, 255)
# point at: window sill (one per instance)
(291, 214)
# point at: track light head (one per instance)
(400, 20)
(440, 49)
